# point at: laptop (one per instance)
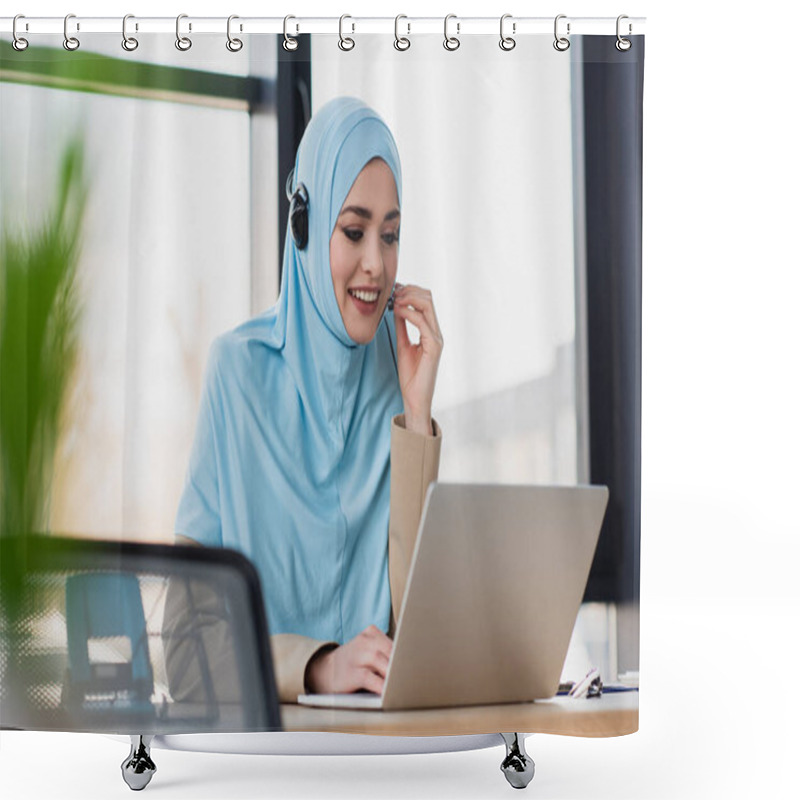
(495, 585)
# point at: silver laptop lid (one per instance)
(496, 581)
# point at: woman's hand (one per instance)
(417, 364)
(360, 663)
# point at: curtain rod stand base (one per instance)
(138, 768)
(517, 766)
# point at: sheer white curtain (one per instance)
(485, 138)
(165, 267)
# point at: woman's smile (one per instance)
(365, 299)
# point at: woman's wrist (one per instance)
(421, 426)
(419, 423)
(316, 668)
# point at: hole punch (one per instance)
(591, 685)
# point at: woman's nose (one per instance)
(372, 258)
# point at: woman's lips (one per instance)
(364, 307)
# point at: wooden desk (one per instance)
(610, 715)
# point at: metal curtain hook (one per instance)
(561, 43)
(289, 42)
(129, 43)
(70, 42)
(401, 42)
(345, 42)
(234, 45)
(451, 42)
(181, 42)
(507, 42)
(19, 44)
(623, 44)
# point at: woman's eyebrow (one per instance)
(367, 214)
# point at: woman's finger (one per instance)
(403, 342)
(421, 300)
(379, 641)
(377, 662)
(382, 653)
(370, 681)
(418, 319)
(370, 656)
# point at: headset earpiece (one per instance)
(298, 216)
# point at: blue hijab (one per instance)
(290, 463)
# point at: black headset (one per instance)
(298, 213)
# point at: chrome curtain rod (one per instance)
(295, 25)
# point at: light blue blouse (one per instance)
(290, 462)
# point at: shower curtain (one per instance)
(145, 209)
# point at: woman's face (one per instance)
(363, 250)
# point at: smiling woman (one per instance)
(364, 250)
(300, 448)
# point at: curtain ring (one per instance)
(401, 42)
(234, 45)
(289, 42)
(507, 42)
(623, 44)
(451, 42)
(70, 42)
(345, 42)
(181, 42)
(129, 43)
(561, 43)
(19, 44)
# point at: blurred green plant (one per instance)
(39, 314)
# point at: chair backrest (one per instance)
(199, 659)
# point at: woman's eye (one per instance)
(353, 234)
(390, 238)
